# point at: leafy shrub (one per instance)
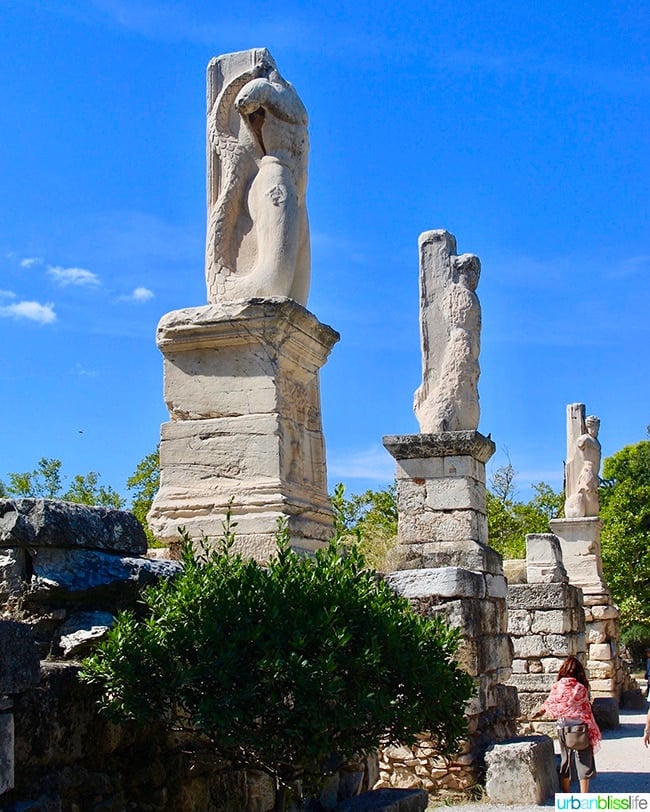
(285, 666)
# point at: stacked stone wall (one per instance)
(546, 623)
(473, 602)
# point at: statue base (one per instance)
(580, 542)
(242, 388)
(441, 501)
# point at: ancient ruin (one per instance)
(579, 535)
(241, 374)
(442, 560)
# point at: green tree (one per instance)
(283, 667)
(625, 538)
(369, 519)
(46, 481)
(510, 520)
(144, 484)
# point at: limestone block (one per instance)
(447, 582)
(486, 654)
(13, 572)
(535, 683)
(543, 548)
(544, 645)
(419, 524)
(597, 632)
(600, 670)
(7, 770)
(460, 493)
(469, 555)
(521, 771)
(53, 523)
(604, 613)
(418, 468)
(496, 586)
(92, 575)
(474, 617)
(464, 466)
(445, 444)
(226, 359)
(600, 651)
(543, 596)
(81, 630)
(552, 621)
(519, 622)
(19, 663)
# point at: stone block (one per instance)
(418, 524)
(87, 576)
(447, 582)
(606, 714)
(468, 555)
(543, 548)
(604, 612)
(53, 523)
(552, 621)
(13, 572)
(546, 574)
(520, 622)
(452, 493)
(600, 651)
(445, 444)
(543, 596)
(521, 771)
(82, 630)
(19, 660)
(387, 800)
(497, 586)
(7, 770)
(534, 683)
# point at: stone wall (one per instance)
(474, 602)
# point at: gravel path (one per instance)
(623, 765)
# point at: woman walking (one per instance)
(568, 703)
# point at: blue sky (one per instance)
(521, 128)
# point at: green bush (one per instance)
(285, 666)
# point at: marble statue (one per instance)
(258, 232)
(450, 329)
(583, 463)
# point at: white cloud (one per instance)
(83, 372)
(142, 294)
(72, 276)
(375, 464)
(33, 311)
(8, 294)
(29, 262)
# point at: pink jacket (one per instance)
(569, 700)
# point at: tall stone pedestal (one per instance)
(580, 542)
(242, 388)
(444, 566)
(441, 501)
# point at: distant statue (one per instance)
(583, 464)
(258, 231)
(450, 321)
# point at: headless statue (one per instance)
(258, 231)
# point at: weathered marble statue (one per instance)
(258, 232)
(450, 330)
(583, 463)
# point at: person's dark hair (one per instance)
(572, 667)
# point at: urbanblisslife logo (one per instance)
(602, 801)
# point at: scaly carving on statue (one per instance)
(582, 491)
(450, 317)
(258, 232)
